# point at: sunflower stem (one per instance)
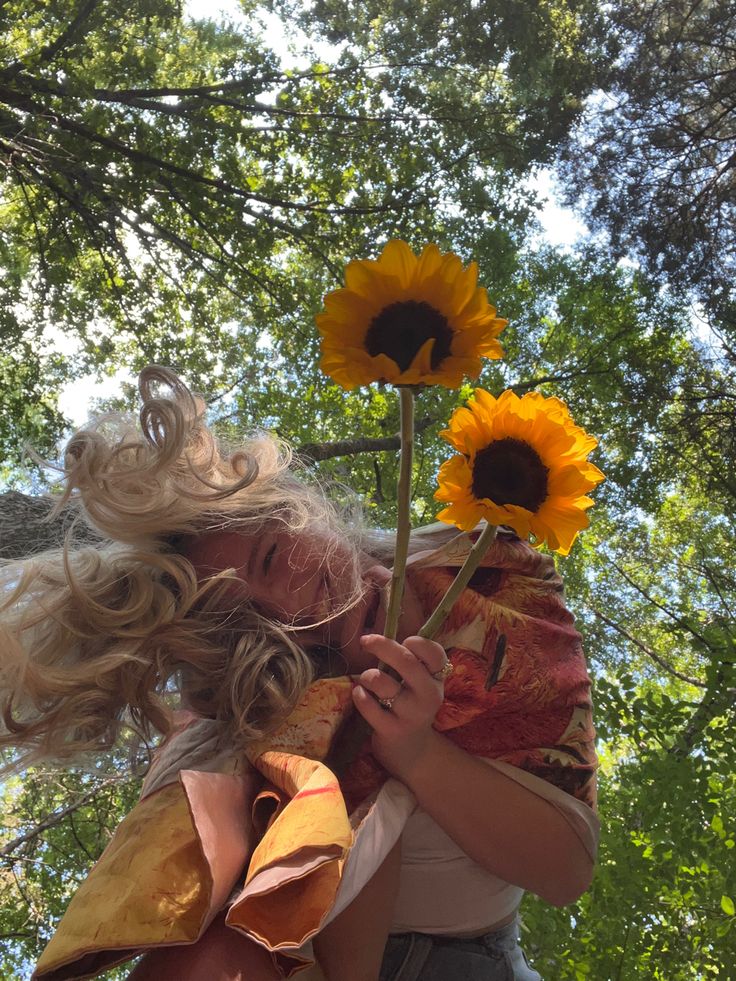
(403, 516)
(346, 749)
(461, 580)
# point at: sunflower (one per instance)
(522, 462)
(408, 321)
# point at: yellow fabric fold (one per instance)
(295, 870)
(175, 860)
(151, 885)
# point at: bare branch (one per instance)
(316, 452)
(648, 651)
(56, 818)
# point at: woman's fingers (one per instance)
(417, 696)
(378, 718)
(431, 654)
(382, 685)
(401, 714)
(416, 660)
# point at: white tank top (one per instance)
(441, 890)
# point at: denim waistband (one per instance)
(493, 956)
(503, 939)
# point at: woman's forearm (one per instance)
(505, 828)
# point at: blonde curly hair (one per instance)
(95, 638)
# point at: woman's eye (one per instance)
(268, 558)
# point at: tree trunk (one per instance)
(26, 528)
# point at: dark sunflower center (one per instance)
(510, 471)
(401, 329)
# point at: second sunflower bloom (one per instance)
(521, 462)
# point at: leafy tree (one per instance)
(512, 75)
(654, 598)
(173, 194)
(59, 824)
(167, 182)
(28, 404)
(653, 161)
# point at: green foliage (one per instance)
(77, 812)
(172, 193)
(669, 852)
(169, 187)
(653, 162)
(654, 595)
(28, 397)
(512, 76)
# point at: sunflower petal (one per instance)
(454, 478)
(466, 286)
(455, 368)
(545, 456)
(342, 335)
(370, 283)
(429, 263)
(515, 517)
(398, 260)
(472, 339)
(346, 305)
(463, 516)
(462, 327)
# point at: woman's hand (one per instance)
(402, 726)
(503, 826)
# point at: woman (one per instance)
(228, 577)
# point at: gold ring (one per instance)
(387, 703)
(444, 672)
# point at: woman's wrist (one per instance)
(418, 767)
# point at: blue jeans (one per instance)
(495, 956)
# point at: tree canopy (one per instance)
(166, 178)
(653, 161)
(178, 191)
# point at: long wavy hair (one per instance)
(95, 638)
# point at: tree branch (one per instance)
(71, 32)
(646, 650)
(680, 621)
(717, 700)
(55, 818)
(316, 452)
(531, 383)
(220, 185)
(25, 528)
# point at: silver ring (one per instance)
(387, 703)
(444, 672)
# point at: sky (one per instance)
(560, 226)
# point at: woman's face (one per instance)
(302, 581)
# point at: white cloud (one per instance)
(561, 226)
(77, 397)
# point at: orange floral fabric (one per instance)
(520, 691)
